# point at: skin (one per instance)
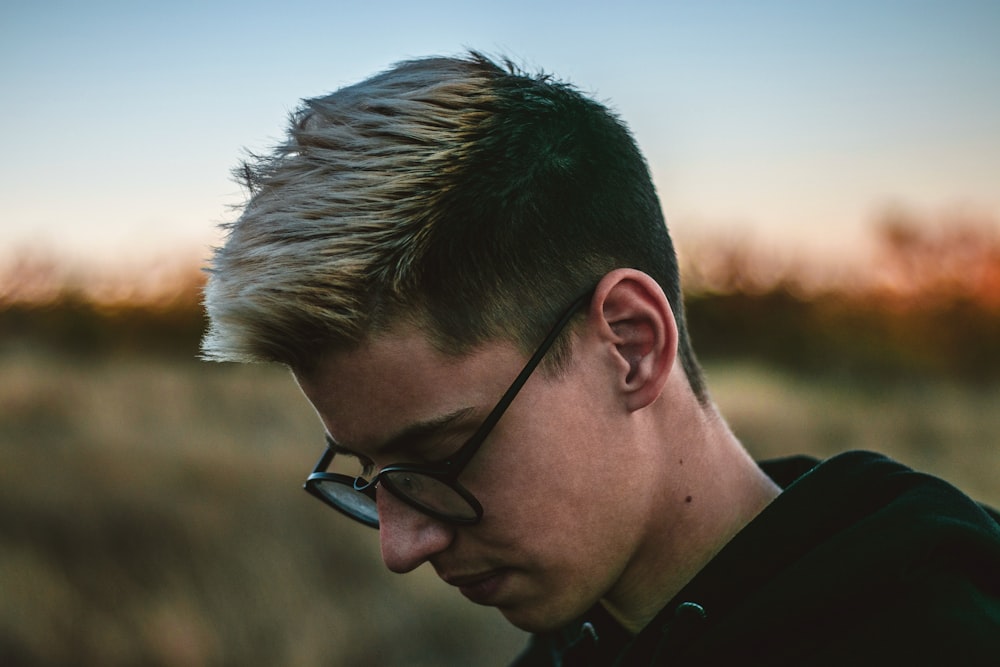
(606, 482)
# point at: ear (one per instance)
(632, 313)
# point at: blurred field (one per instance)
(151, 510)
(948, 429)
(151, 513)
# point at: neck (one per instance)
(708, 491)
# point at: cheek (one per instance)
(566, 439)
(563, 528)
(553, 471)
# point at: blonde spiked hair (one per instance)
(336, 214)
(468, 197)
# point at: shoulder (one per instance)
(860, 560)
(873, 515)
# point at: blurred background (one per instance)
(830, 171)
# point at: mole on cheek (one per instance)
(688, 499)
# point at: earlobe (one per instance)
(638, 322)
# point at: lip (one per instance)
(481, 588)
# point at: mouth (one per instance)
(481, 588)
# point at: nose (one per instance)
(408, 537)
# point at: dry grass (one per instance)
(950, 430)
(150, 513)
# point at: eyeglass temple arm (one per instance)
(491, 419)
(326, 458)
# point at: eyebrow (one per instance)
(421, 430)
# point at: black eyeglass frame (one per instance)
(447, 470)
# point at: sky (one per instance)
(791, 124)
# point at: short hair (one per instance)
(467, 196)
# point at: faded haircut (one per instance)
(466, 196)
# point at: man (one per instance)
(468, 272)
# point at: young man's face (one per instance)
(559, 481)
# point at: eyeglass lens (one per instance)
(428, 493)
(345, 474)
(345, 498)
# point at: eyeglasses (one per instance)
(431, 488)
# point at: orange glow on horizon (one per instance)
(918, 262)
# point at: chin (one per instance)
(538, 620)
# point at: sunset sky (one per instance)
(792, 122)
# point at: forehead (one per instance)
(367, 392)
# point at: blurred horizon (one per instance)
(927, 305)
(902, 252)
